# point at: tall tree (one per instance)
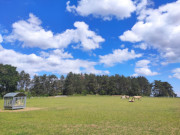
(78, 83)
(68, 85)
(145, 86)
(125, 85)
(8, 79)
(112, 86)
(24, 81)
(103, 82)
(53, 87)
(36, 88)
(61, 84)
(91, 85)
(162, 89)
(135, 87)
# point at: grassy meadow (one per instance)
(102, 115)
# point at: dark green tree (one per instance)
(8, 79)
(78, 83)
(103, 82)
(68, 85)
(112, 86)
(145, 86)
(135, 87)
(91, 84)
(36, 88)
(162, 89)
(52, 87)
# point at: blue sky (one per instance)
(132, 37)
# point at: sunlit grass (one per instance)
(94, 115)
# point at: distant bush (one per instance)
(102, 92)
(84, 92)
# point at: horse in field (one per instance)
(125, 97)
(137, 97)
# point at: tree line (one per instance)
(51, 85)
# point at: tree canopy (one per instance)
(51, 85)
(8, 79)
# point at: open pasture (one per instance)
(93, 115)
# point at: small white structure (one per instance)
(14, 101)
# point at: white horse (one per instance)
(137, 97)
(123, 97)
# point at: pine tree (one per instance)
(68, 86)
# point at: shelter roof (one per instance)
(15, 94)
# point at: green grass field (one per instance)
(101, 115)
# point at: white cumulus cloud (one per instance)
(176, 73)
(118, 56)
(159, 28)
(105, 9)
(31, 34)
(142, 68)
(142, 46)
(57, 61)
